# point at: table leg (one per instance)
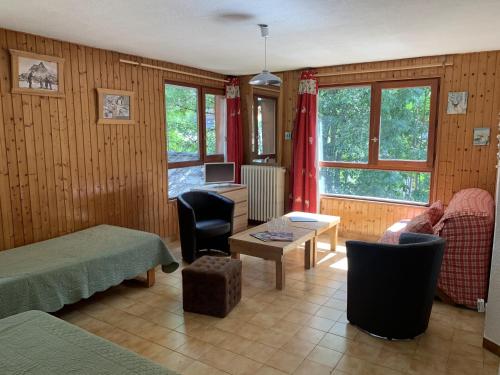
(307, 255)
(150, 278)
(334, 235)
(280, 274)
(314, 249)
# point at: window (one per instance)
(196, 133)
(377, 140)
(264, 128)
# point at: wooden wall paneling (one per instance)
(470, 119)
(6, 224)
(73, 177)
(99, 159)
(55, 131)
(115, 177)
(64, 155)
(48, 123)
(110, 191)
(462, 144)
(155, 124)
(136, 75)
(159, 135)
(10, 139)
(143, 128)
(132, 213)
(21, 155)
(492, 171)
(79, 142)
(478, 117)
(92, 132)
(26, 42)
(486, 163)
(59, 171)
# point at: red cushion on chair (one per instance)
(420, 224)
(435, 212)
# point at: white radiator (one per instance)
(266, 189)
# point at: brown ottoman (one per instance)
(211, 285)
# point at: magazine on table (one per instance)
(267, 236)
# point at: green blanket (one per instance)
(36, 343)
(49, 274)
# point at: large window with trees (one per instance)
(376, 140)
(196, 133)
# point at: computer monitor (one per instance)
(219, 172)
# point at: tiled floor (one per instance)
(300, 330)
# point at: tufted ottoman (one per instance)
(211, 285)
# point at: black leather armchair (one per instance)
(205, 223)
(391, 288)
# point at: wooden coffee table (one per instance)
(324, 223)
(244, 243)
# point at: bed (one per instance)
(37, 343)
(49, 274)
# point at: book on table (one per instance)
(302, 219)
(267, 236)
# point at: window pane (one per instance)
(404, 123)
(344, 124)
(393, 185)
(181, 180)
(215, 124)
(266, 126)
(182, 123)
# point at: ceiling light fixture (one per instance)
(265, 78)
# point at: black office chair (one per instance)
(205, 223)
(391, 288)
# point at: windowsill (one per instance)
(377, 200)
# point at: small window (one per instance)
(264, 128)
(196, 134)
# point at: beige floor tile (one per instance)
(323, 324)
(194, 348)
(284, 361)
(310, 334)
(329, 313)
(337, 343)
(269, 327)
(325, 356)
(345, 330)
(299, 347)
(266, 370)
(230, 362)
(308, 367)
(199, 368)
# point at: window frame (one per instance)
(203, 157)
(374, 162)
(255, 130)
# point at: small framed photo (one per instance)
(36, 74)
(457, 103)
(115, 107)
(481, 136)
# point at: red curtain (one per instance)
(303, 190)
(234, 126)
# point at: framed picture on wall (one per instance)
(36, 74)
(115, 107)
(481, 136)
(457, 103)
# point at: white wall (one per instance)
(492, 323)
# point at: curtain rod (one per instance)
(172, 70)
(349, 72)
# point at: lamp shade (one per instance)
(266, 78)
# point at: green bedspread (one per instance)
(49, 274)
(36, 343)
